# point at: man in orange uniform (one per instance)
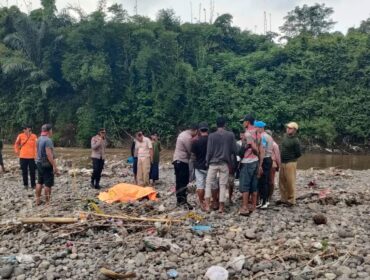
(25, 148)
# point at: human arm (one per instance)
(96, 143)
(17, 144)
(50, 157)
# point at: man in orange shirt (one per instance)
(25, 148)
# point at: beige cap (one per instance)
(292, 125)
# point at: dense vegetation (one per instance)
(129, 72)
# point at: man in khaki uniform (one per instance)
(290, 152)
(144, 151)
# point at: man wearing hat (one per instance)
(290, 152)
(25, 148)
(199, 150)
(267, 146)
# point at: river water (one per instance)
(80, 158)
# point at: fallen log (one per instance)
(114, 275)
(129, 218)
(48, 220)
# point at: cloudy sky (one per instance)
(248, 14)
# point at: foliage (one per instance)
(129, 73)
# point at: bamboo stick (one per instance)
(129, 218)
(48, 220)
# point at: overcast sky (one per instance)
(248, 14)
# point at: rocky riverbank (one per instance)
(278, 243)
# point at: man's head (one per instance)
(203, 128)
(27, 128)
(154, 136)
(102, 132)
(221, 122)
(260, 125)
(139, 136)
(291, 128)
(269, 132)
(193, 129)
(47, 129)
(248, 120)
(241, 135)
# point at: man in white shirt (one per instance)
(144, 152)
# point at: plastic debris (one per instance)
(25, 258)
(217, 273)
(172, 273)
(200, 228)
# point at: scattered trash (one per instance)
(172, 273)
(130, 160)
(320, 219)
(194, 216)
(201, 228)
(10, 259)
(217, 273)
(324, 193)
(156, 243)
(237, 263)
(25, 258)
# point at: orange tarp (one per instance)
(127, 192)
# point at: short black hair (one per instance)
(46, 127)
(194, 126)
(249, 118)
(221, 121)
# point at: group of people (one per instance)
(218, 159)
(37, 153)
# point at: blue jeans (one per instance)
(248, 177)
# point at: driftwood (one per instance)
(48, 220)
(130, 218)
(114, 275)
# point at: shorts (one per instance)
(154, 171)
(248, 181)
(200, 178)
(45, 176)
(134, 166)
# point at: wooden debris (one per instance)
(48, 220)
(114, 275)
(130, 218)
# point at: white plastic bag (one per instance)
(217, 273)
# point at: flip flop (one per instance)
(244, 213)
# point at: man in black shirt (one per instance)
(199, 149)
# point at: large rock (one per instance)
(6, 271)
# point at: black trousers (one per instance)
(98, 166)
(265, 179)
(182, 180)
(28, 166)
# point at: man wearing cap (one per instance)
(251, 166)
(46, 165)
(98, 146)
(199, 150)
(290, 152)
(221, 147)
(267, 146)
(180, 162)
(25, 148)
